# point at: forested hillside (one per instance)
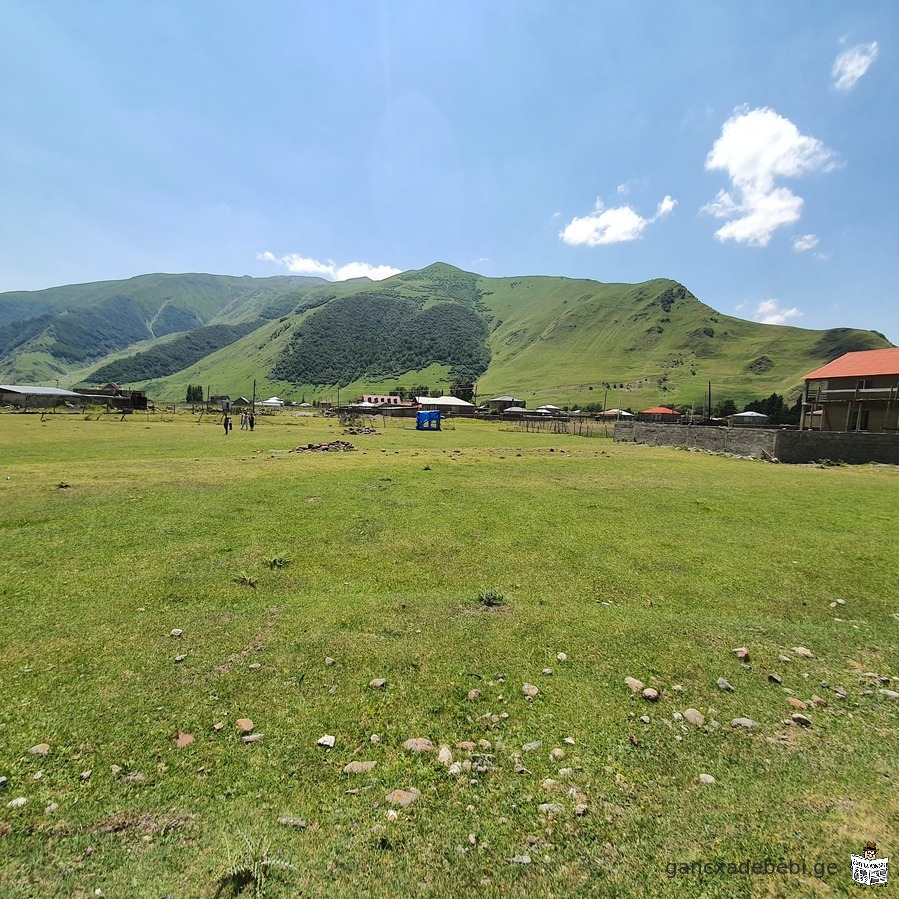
(172, 356)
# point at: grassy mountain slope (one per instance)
(544, 339)
(47, 334)
(554, 339)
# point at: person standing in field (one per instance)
(226, 421)
(251, 419)
(244, 423)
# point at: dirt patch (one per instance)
(144, 825)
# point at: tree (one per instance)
(194, 393)
(725, 407)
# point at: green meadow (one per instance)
(440, 562)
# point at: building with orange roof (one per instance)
(659, 413)
(856, 392)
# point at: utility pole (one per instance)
(710, 399)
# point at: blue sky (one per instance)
(746, 150)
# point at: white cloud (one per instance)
(851, 64)
(756, 147)
(303, 265)
(805, 242)
(770, 313)
(607, 226)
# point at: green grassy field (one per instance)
(632, 561)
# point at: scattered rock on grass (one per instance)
(403, 798)
(474, 695)
(18, 802)
(330, 661)
(520, 859)
(784, 659)
(742, 653)
(52, 808)
(547, 671)
(889, 694)
(176, 632)
(530, 747)
(820, 700)
(244, 725)
(775, 679)
(40, 749)
(794, 703)
(359, 767)
(748, 723)
(650, 695)
(636, 686)
(291, 821)
(378, 683)
(445, 756)
(801, 720)
(183, 739)
(253, 738)
(557, 753)
(529, 690)
(802, 651)
(707, 779)
(694, 717)
(723, 684)
(418, 745)
(561, 657)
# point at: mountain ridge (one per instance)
(539, 336)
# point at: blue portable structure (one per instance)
(427, 421)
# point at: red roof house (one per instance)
(857, 392)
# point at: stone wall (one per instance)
(840, 446)
(761, 443)
(754, 442)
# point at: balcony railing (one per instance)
(871, 394)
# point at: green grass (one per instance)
(631, 560)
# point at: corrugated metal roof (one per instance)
(865, 363)
(27, 390)
(659, 410)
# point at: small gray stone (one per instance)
(135, 777)
(784, 659)
(520, 859)
(176, 632)
(4, 783)
(561, 657)
(378, 683)
(889, 694)
(418, 745)
(445, 756)
(550, 808)
(650, 695)
(474, 695)
(581, 809)
(748, 723)
(558, 753)
(645, 719)
(529, 690)
(694, 717)
(18, 802)
(180, 659)
(52, 808)
(40, 749)
(724, 685)
(775, 679)
(707, 779)
(253, 738)
(327, 741)
(116, 770)
(291, 821)
(359, 767)
(742, 653)
(548, 671)
(530, 747)
(636, 686)
(802, 651)
(329, 661)
(801, 720)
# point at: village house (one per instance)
(857, 392)
(659, 413)
(502, 403)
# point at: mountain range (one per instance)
(542, 339)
